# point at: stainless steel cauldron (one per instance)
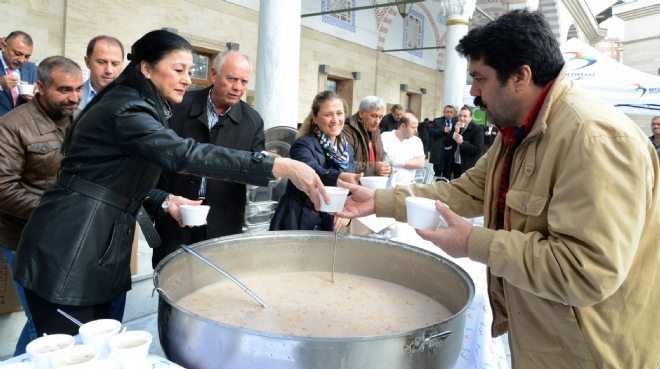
(194, 341)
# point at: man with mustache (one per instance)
(31, 137)
(570, 196)
(16, 50)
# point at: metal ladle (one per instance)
(226, 274)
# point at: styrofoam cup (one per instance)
(130, 348)
(337, 199)
(98, 333)
(76, 357)
(25, 89)
(422, 214)
(42, 349)
(194, 215)
(374, 182)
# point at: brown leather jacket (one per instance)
(30, 158)
(358, 137)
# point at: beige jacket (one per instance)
(576, 280)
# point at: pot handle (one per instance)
(441, 336)
(160, 290)
(419, 344)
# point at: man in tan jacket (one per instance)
(31, 137)
(571, 201)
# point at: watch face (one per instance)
(258, 157)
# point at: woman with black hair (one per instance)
(74, 253)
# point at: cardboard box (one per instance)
(8, 301)
(371, 224)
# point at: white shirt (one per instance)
(399, 152)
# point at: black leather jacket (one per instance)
(75, 249)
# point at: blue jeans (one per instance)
(29, 332)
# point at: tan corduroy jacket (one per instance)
(574, 275)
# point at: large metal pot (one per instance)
(197, 342)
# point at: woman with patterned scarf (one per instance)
(321, 146)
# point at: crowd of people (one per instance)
(73, 182)
(82, 161)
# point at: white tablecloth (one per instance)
(480, 350)
(152, 362)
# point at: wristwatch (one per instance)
(165, 204)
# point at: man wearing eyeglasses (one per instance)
(16, 69)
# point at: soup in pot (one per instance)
(308, 304)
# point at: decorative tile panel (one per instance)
(345, 20)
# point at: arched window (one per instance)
(572, 32)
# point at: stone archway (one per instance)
(385, 17)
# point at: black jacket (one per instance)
(388, 123)
(439, 140)
(295, 210)
(242, 128)
(473, 142)
(75, 249)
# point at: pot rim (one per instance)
(269, 235)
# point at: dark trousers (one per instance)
(444, 167)
(456, 170)
(47, 320)
(117, 307)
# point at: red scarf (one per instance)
(372, 153)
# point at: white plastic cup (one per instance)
(337, 199)
(130, 348)
(422, 214)
(98, 333)
(374, 182)
(194, 215)
(43, 348)
(25, 89)
(76, 357)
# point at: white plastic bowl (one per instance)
(337, 199)
(130, 348)
(422, 214)
(98, 333)
(194, 215)
(76, 357)
(25, 89)
(42, 349)
(374, 182)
